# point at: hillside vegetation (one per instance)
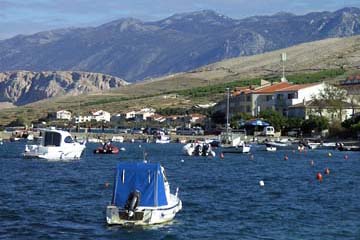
(329, 60)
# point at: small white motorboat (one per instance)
(142, 196)
(241, 148)
(55, 145)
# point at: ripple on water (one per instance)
(221, 198)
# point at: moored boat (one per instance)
(141, 196)
(241, 148)
(55, 145)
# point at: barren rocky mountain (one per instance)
(135, 50)
(22, 87)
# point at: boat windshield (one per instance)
(52, 139)
(68, 139)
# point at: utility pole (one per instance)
(227, 114)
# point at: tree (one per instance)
(277, 120)
(18, 122)
(317, 123)
(236, 118)
(332, 98)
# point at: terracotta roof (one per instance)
(296, 87)
(273, 88)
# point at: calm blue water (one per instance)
(221, 198)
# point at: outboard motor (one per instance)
(132, 202)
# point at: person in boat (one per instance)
(198, 150)
(205, 150)
(107, 146)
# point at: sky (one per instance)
(31, 16)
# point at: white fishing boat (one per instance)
(198, 149)
(241, 148)
(142, 196)
(55, 145)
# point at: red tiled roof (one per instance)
(273, 88)
(296, 87)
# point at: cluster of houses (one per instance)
(292, 100)
(143, 115)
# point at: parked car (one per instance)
(123, 130)
(137, 131)
(189, 131)
(269, 131)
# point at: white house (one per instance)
(63, 114)
(277, 96)
(101, 116)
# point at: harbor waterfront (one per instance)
(261, 195)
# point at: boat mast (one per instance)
(227, 114)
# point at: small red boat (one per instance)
(107, 149)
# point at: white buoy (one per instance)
(182, 160)
(261, 183)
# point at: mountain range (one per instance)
(135, 50)
(22, 87)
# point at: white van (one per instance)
(269, 131)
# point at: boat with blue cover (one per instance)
(141, 196)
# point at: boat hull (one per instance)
(142, 215)
(54, 153)
(237, 149)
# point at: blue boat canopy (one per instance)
(146, 178)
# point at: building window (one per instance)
(268, 98)
(279, 97)
(248, 109)
(248, 98)
(292, 95)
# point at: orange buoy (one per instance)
(286, 157)
(319, 177)
(346, 157)
(327, 171)
(222, 155)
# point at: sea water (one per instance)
(222, 198)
